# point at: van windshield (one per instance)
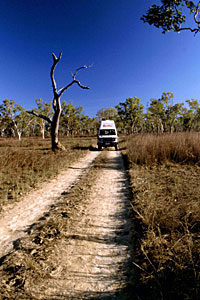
(107, 132)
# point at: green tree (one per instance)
(173, 113)
(14, 118)
(190, 117)
(148, 123)
(162, 113)
(90, 125)
(157, 115)
(130, 114)
(173, 14)
(70, 118)
(106, 114)
(43, 108)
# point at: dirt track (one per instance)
(92, 261)
(15, 219)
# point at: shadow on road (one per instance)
(91, 148)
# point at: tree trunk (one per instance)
(132, 128)
(171, 128)
(56, 103)
(43, 136)
(42, 129)
(56, 145)
(13, 132)
(19, 135)
(161, 125)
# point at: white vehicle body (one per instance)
(107, 135)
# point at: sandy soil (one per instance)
(15, 219)
(92, 261)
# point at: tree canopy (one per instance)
(173, 14)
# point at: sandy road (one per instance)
(92, 261)
(16, 218)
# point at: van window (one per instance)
(107, 132)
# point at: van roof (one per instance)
(107, 124)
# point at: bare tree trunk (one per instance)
(42, 129)
(132, 128)
(19, 135)
(43, 136)
(56, 103)
(161, 125)
(56, 145)
(171, 128)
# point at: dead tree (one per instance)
(54, 123)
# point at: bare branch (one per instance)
(81, 86)
(55, 61)
(77, 70)
(40, 116)
(61, 91)
(195, 30)
(196, 14)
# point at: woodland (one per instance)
(160, 116)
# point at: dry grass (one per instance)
(165, 175)
(33, 258)
(25, 164)
(148, 149)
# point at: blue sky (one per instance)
(130, 58)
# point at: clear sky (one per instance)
(130, 58)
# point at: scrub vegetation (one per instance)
(27, 163)
(165, 172)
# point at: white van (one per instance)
(107, 135)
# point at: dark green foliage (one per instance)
(171, 14)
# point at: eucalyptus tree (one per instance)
(14, 118)
(89, 125)
(56, 103)
(173, 114)
(43, 108)
(70, 118)
(163, 113)
(106, 113)
(190, 116)
(195, 107)
(130, 114)
(174, 15)
(157, 115)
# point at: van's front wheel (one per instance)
(99, 148)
